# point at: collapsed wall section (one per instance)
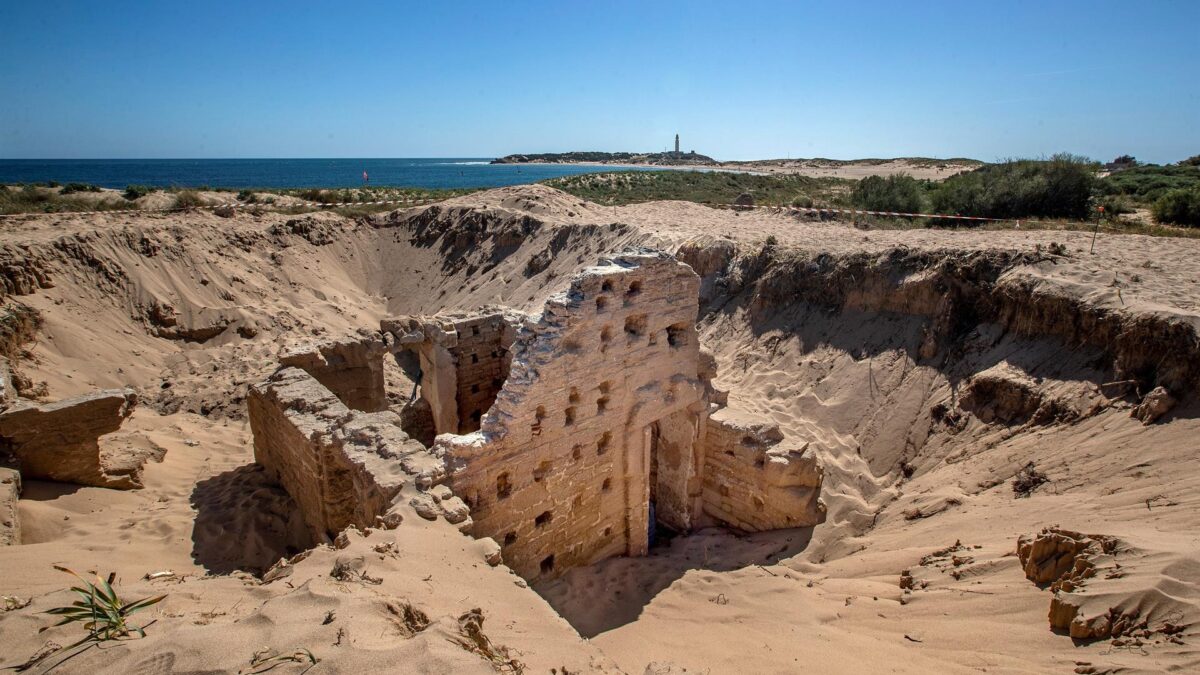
(350, 368)
(60, 441)
(342, 467)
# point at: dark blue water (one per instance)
(283, 173)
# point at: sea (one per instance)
(444, 173)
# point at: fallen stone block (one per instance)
(60, 441)
(1156, 404)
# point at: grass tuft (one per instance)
(104, 616)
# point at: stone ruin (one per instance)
(62, 441)
(568, 437)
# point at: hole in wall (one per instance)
(603, 443)
(547, 564)
(635, 288)
(607, 286)
(576, 452)
(543, 519)
(569, 416)
(635, 326)
(540, 472)
(601, 405)
(606, 486)
(677, 335)
(503, 486)
(601, 303)
(510, 538)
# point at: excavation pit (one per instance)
(567, 447)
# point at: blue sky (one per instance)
(740, 80)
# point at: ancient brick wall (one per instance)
(755, 479)
(481, 357)
(559, 472)
(342, 467)
(594, 413)
(464, 360)
(10, 491)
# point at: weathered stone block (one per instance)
(60, 441)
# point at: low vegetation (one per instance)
(1178, 207)
(133, 192)
(46, 199)
(187, 199)
(103, 614)
(1071, 191)
(706, 187)
(894, 193)
(1060, 187)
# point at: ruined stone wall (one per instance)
(559, 472)
(351, 368)
(482, 359)
(754, 479)
(464, 360)
(10, 492)
(342, 467)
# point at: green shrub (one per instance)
(1147, 183)
(247, 196)
(188, 199)
(1060, 187)
(1114, 205)
(895, 193)
(1179, 207)
(133, 192)
(70, 188)
(803, 202)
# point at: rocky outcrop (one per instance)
(317, 229)
(60, 441)
(1066, 561)
(959, 290)
(1007, 395)
(8, 395)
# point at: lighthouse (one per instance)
(676, 145)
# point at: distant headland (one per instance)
(639, 158)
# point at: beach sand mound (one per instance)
(927, 371)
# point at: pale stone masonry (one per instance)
(607, 409)
(464, 360)
(351, 368)
(561, 435)
(343, 467)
